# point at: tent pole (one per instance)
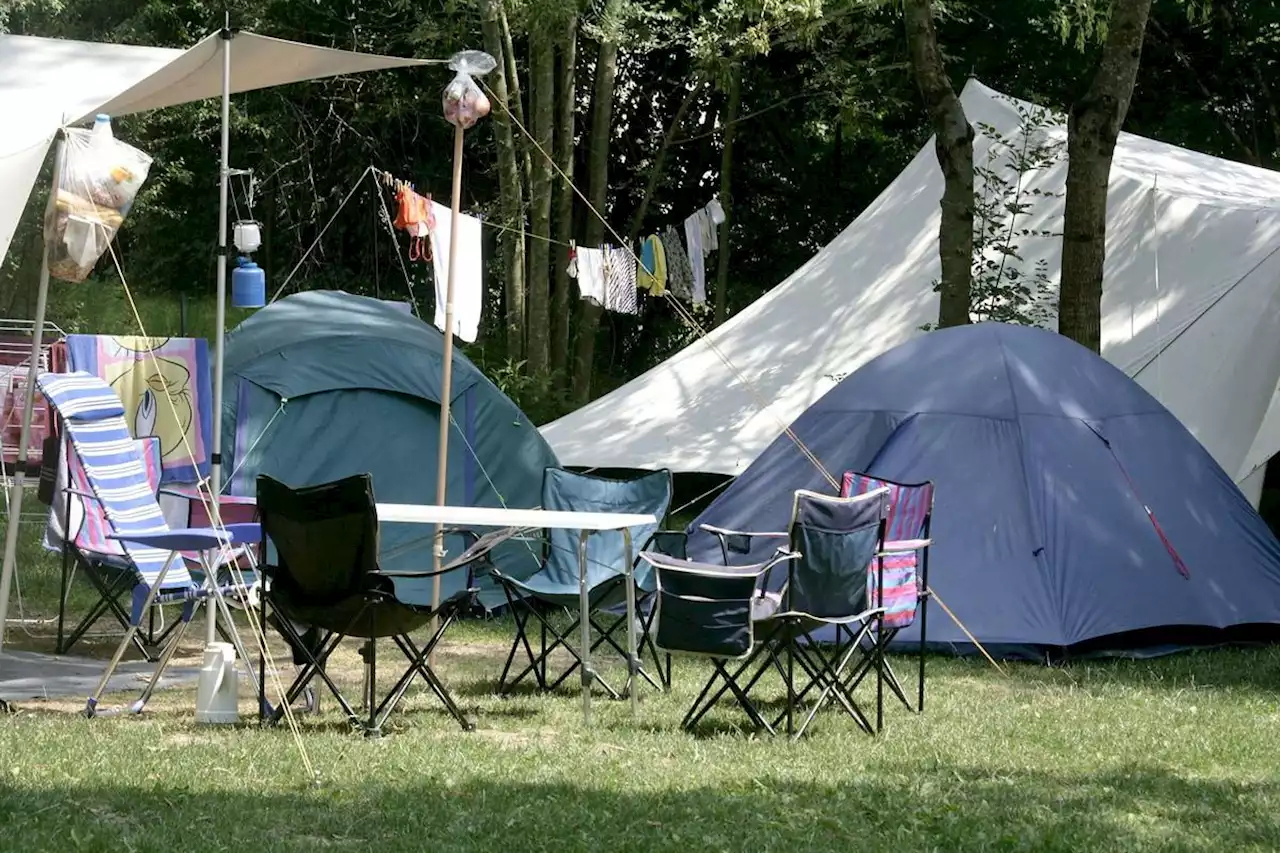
(37, 342)
(446, 383)
(220, 311)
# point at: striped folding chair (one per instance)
(124, 534)
(906, 564)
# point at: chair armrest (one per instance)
(727, 538)
(900, 545)
(190, 539)
(724, 531)
(83, 494)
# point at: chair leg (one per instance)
(419, 664)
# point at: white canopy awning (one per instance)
(46, 83)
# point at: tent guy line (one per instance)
(703, 336)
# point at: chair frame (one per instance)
(524, 605)
(824, 670)
(419, 657)
(922, 546)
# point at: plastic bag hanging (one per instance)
(99, 179)
(465, 103)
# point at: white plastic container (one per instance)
(217, 695)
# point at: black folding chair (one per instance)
(326, 575)
(709, 611)
(833, 541)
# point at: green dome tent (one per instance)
(324, 384)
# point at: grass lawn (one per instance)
(1177, 754)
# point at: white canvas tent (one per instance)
(46, 83)
(1190, 308)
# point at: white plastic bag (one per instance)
(99, 179)
(465, 103)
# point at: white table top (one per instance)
(483, 516)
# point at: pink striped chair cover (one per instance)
(910, 507)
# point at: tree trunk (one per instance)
(1092, 127)
(513, 86)
(726, 192)
(562, 307)
(598, 194)
(511, 184)
(542, 107)
(953, 144)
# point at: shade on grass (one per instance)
(1173, 754)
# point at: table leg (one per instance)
(584, 617)
(632, 657)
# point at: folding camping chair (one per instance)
(125, 543)
(325, 574)
(833, 541)
(709, 611)
(555, 584)
(79, 530)
(906, 565)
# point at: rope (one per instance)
(255, 625)
(319, 236)
(685, 315)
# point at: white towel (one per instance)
(697, 257)
(468, 285)
(591, 275)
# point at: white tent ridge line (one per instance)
(1212, 237)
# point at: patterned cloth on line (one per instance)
(620, 281)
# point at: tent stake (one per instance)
(446, 381)
(37, 342)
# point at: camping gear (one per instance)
(97, 182)
(147, 552)
(905, 567)
(610, 554)
(1067, 497)
(836, 582)
(326, 574)
(707, 610)
(322, 385)
(248, 285)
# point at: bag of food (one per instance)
(99, 179)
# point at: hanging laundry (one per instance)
(693, 235)
(468, 285)
(414, 217)
(652, 274)
(620, 281)
(679, 271)
(591, 275)
(716, 212)
(710, 233)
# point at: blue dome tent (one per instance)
(325, 384)
(1045, 459)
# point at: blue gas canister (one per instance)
(248, 285)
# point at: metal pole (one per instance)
(37, 342)
(220, 310)
(446, 382)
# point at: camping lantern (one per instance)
(248, 285)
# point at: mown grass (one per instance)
(1176, 754)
